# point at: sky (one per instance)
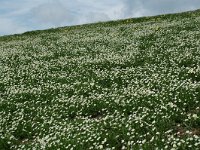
(18, 16)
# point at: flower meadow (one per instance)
(127, 84)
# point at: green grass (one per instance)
(126, 84)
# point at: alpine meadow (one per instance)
(131, 84)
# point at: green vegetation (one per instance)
(127, 84)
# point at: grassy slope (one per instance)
(125, 84)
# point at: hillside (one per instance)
(126, 84)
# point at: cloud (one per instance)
(8, 26)
(51, 13)
(17, 16)
(132, 8)
(137, 8)
(93, 17)
(61, 13)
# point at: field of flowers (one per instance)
(128, 84)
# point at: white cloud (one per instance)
(53, 13)
(8, 26)
(115, 12)
(97, 16)
(137, 8)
